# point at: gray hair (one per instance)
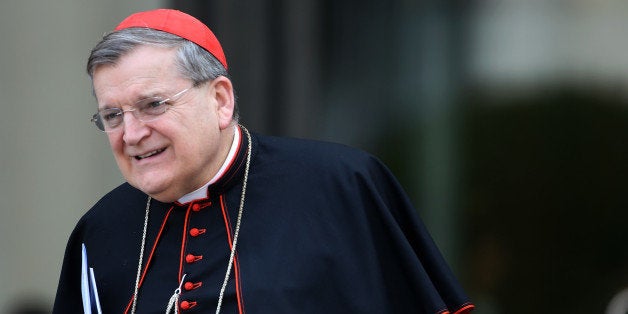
(192, 61)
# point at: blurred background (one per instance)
(506, 122)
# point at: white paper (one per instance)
(87, 306)
(94, 290)
(89, 292)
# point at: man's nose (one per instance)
(134, 129)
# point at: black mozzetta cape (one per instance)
(325, 229)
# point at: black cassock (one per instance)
(325, 229)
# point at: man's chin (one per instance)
(158, 192)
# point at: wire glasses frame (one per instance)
(145, 110)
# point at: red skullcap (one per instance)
(177, 23)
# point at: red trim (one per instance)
(184, 240)
(467, 308)
(236, 264)
(150, 257)
(235, 155)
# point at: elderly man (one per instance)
(214, 218)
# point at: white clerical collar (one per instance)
(201, 192)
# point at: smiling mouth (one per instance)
(149, 154)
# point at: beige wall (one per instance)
(53, 164)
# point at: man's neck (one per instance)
(201, 192)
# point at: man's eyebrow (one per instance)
(106, 106)
(136, 99)
(147, 94)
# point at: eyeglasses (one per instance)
(145, 110)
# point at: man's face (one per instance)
(181, 150)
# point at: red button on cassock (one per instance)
(191, 258)
(191, 285)
(196, 207)
(195, 232)
(186, 305)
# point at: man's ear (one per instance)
(222, 92)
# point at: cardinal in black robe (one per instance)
(282, 226)
(324, 229)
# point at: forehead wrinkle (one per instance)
(131, 92)
(139, 74)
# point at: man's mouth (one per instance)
(149, 154)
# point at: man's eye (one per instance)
(111, 115)
(155, 104)
(152, 106)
